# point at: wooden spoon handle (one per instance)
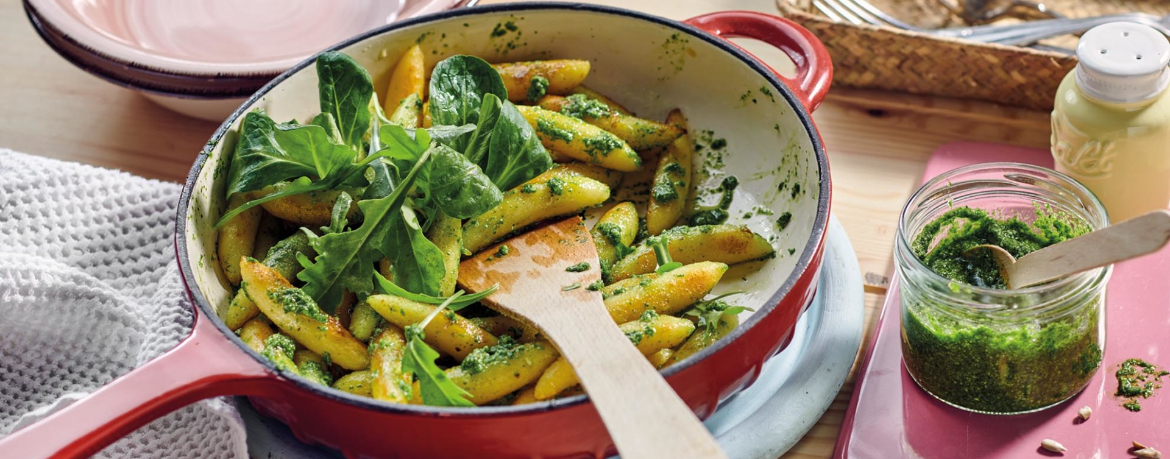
(644, 416)
(1129, 239)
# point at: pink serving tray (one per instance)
(891, 417)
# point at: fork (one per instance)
(862, 12)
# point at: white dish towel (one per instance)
(89, 290)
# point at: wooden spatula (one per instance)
(644, 416)
(1129, 239)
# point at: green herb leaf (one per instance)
(515, 154)
(390, 288)
(710, 311)
(480, 141)
(299, 186)
(457, 90)
(346, 260)
(268, 153)
(345, 90)
(337, 219)
(662, 253)
(416, 262)
(435, 388)
(457, 186)
(327, 122)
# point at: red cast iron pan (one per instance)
(212, 361)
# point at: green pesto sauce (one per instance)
(553, 131)
(581, 106)
(528, 188)
(500, 252)
(714, 215)
(1138, 378)
(962, 228)
(595, 286)
(313, 372)
(663, 190)
(556, 186)
(611, 231)
(579, 267)
(783, 221)
(990, 368)
(502, 29)
(480, 359)
(601, 144)
(280, 343)
(537, 88)
(296, 301)
(645, 328)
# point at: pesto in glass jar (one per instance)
(965, 338)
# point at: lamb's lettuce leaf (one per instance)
(515, 154)
(458, 86)
(345, 90)
(457, 186)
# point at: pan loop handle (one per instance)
(814, 67)
(205, 364)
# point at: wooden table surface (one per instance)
(877, 144)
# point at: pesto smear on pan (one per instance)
(982, 362)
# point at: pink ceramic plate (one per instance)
(214, 37)
(890, 416)
(203, 58)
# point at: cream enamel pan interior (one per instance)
(767, 141)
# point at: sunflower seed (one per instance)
(1053, 446)
(1147, 452)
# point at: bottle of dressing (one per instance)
(1111, 120)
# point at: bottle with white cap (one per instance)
(1111, 120)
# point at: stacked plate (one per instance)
(203, 58)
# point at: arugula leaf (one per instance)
(390, 288)
(298, 186)
(457, 89)
(346, 260)
(709, 312)
(382, 177)
(515, 154)
(415, 261)
(457, 186)
(345, 90)
(400, 144)
(435, 388)
(337, 219)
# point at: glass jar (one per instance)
(1000, 351)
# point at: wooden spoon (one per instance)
(1129, 239)
(644, 416)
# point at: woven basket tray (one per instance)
(898, 60)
